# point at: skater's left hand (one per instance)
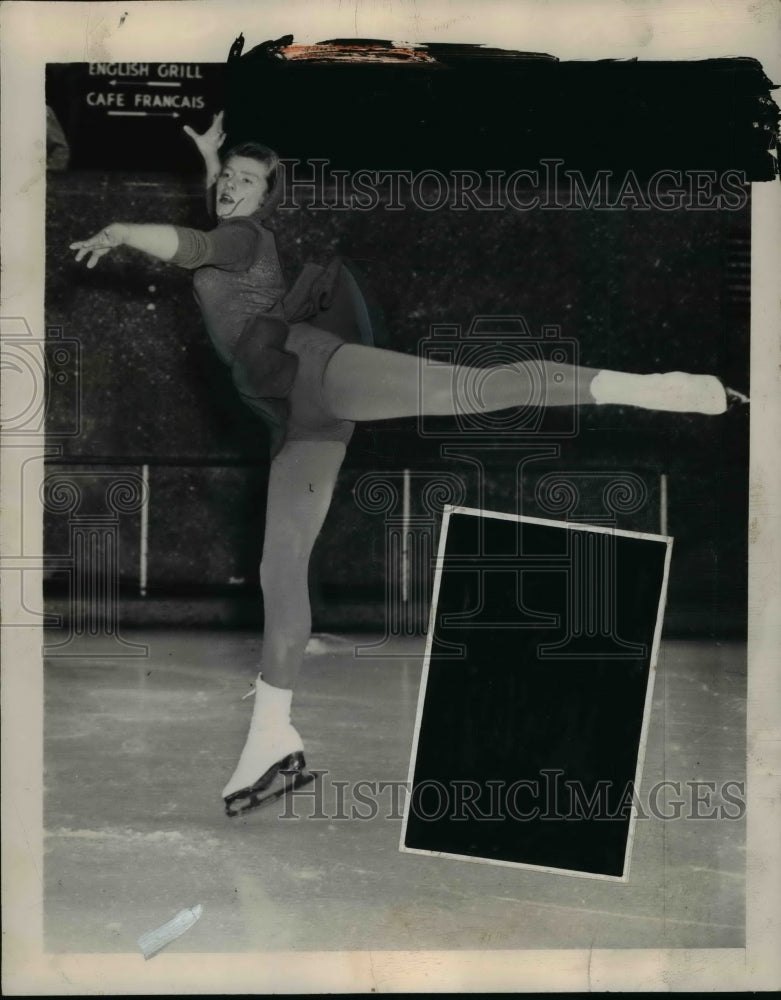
(208, 142)
(99, 244)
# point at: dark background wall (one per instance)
(636, 290)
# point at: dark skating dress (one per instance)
(277, 341)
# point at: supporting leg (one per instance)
(301, 484)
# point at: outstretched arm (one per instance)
(231, 247)
(209, 143)
(160, 241)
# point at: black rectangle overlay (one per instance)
(536, 693)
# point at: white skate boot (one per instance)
(675, 392)
(272, 761)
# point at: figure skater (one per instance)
(300, 359)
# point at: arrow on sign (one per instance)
(144, 83)
(145, 114)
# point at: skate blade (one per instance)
(282, 785)
(280, 780)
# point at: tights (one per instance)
(366, 383)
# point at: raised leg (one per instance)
(367, 383)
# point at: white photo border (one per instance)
(201, 31)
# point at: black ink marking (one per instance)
(440, 106)
(442, 99)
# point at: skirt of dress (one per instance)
(281, 357)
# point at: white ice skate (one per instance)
(674, 392)
(272, 762)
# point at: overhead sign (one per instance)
(137, 89)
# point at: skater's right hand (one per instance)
(98, 246)
(208, 142)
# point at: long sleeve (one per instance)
(232, 246)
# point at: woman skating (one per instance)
(300, 358)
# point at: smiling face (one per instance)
(242, 187)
